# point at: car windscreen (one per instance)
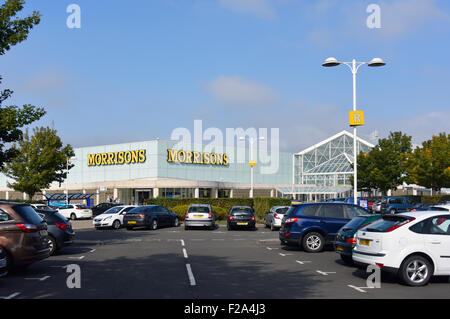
(114, 210)
(282, 210)
(28, 214)
(199, 209)
(386, 223)
(355, 223)
(242, 211)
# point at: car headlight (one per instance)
(109, 217)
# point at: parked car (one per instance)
(75, 211)
(414, 246)
(23, 234)
(60, 233)
(103, 207)
(199, 215)
(275, 216)
(151, 216)
(376, 207)
(346, 237)
(241, 217)
(396, 204)
(41, 206)
(3, 270)
(112, 218)
(314, 225)
(427, 206)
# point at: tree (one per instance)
(14, 30)
(385, 166)
(41, 160)
(429, 165)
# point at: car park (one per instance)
(3, 263)
(112, 218)
(396, 204)
(103, 207)
(199, 215)
(23, 234)
(275, 216)
(346, 237)
(151, 216)
(241, 217)
(60, 233)
(414, 246)
(314, 225)
(75, 211)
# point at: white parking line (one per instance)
(79, 258)
(284, 255)
(302, 262)
(92, 250)
(324, 273)
(197, 239)
(218, 239)
(191, 275)
(182, 242)
(40, 279)
(185, 253)
(14, 295)
(269, 248)
(360, 289)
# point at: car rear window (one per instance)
(28, 214)
(282, 210)
(386, 223)
(355, 223)
(52, 216)
(242, 210)
(199, 209)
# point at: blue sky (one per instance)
(138, 69)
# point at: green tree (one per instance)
(429, 165)
(385, 166)
(14, 30)
(41, 160)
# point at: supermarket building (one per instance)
(134, 172)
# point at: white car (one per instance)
(75, 211)
(113, 217)
(413, 245)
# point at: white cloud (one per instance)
(234, 90)
(260, 8)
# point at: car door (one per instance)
(332, 219)
(437, 240)
(165, 215)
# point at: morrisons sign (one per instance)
(117, 158)
(188, 157)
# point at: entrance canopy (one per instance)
(73, 196)
(318, 190)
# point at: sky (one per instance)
(138, 69)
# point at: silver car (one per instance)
(199, 215)
(376, 207)
(275, 216)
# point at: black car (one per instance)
(151, 217)
(60, 233)
(346, 237)
(103, 207)
(3, 263)
(241, 217)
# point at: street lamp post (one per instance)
(354, 67)
(252, 162)
(67, 178)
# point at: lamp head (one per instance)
(376, 62)
(331, 62)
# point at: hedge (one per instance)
(261, 205)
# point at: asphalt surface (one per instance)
(174, 263)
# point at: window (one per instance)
(311, 210)
(418, 228)
(282, 210)
(198, 209)
(353, 211)
(439, 225)
(332, 211)
(4, 217)
(28, 214)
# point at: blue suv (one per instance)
(314, 225)
(397, 204)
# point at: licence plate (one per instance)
(43, 233)
(198, 216)
(339, 248)
(242, 224)
(86, 211)
(364, 242)
(131, 222)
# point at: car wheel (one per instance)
(73, 216)
(52, 245)
(272, 227)
(116, 224)
(416, 271)
(348, 260)
(154, 224)
(229, 227)
(392, 211)
(176, 222)
(313, 242)
(186, 227)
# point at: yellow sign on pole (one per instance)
(252, 163)
(356, 118)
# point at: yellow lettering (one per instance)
(128, 157)
(121, 158)
(91, 159)
(134, 156)
(142, 156)
(225, 159)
